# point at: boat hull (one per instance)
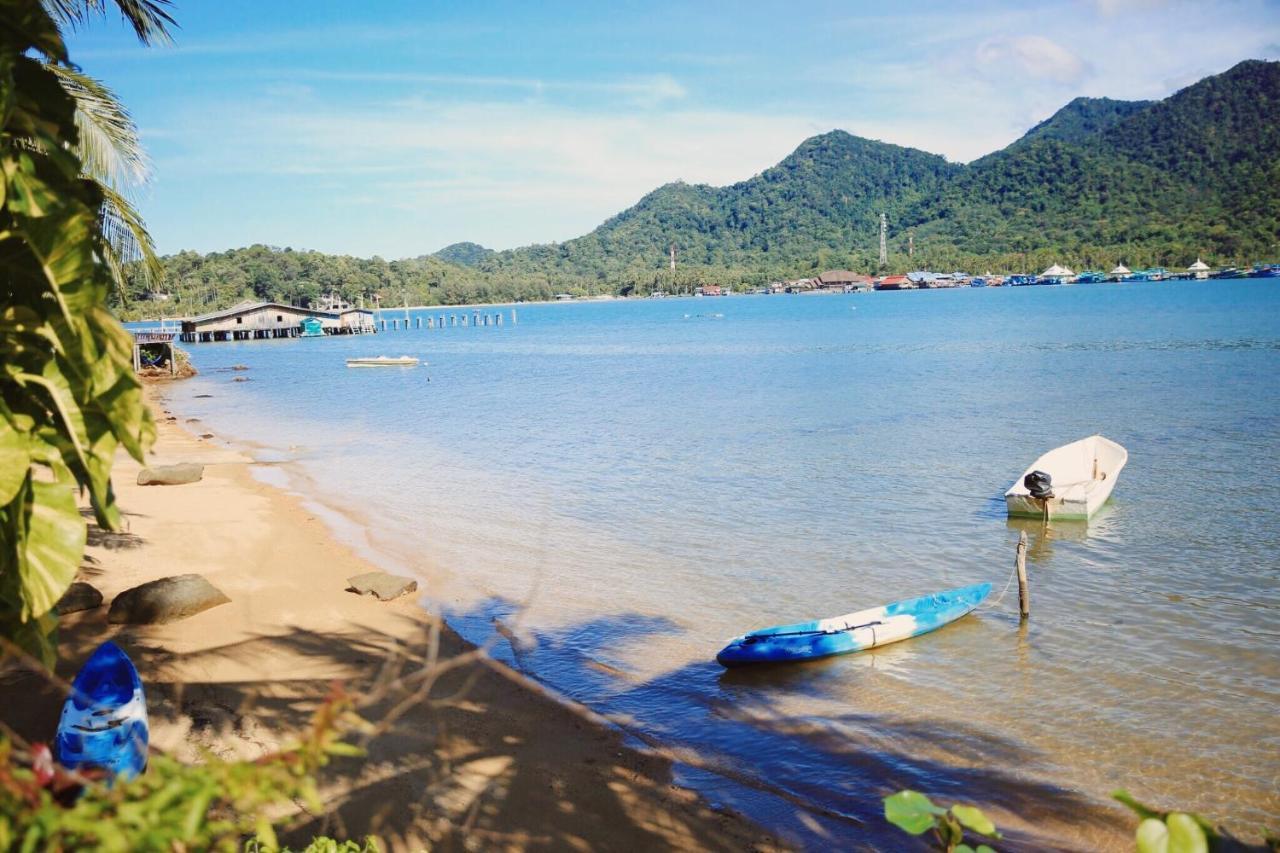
(1084, 474)
(853, 632)
(404, 361)
(104, 719)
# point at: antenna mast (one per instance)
(673, 257)
(884, 243)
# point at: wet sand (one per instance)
(502, 765)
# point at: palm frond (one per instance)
(150, 19)
(127, 241)
(109, 148)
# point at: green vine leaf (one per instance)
(911, 812)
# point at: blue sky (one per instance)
(396, 128)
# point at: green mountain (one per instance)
(1099, 182)
(1198, 172)
(463, 254)
(1083, 119)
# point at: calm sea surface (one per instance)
(620, 487)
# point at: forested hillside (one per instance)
(1099, 182)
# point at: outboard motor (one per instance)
(1039, 484)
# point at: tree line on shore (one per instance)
(1101, 182)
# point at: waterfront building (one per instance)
(258, 320)
(1199, 269)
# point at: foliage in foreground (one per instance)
(68, 396)
(915, 813)
(214, 805)
(1158, 831)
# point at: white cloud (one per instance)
(1117, 7)
(1035, 55)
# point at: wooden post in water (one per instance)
(1024, 601)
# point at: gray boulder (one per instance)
(381, 585)
(165, 600)
(171, 475)
(79, 596)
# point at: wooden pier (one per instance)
(251, 321)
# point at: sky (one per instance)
(395, 127)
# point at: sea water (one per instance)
(607, 491)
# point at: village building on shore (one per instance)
(262, 320)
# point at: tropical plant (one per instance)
(68, 396)
(209, 806)
(915, 813)
(110, 150)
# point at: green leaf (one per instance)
(1185, 834)
(15, 458)
(1152, 836)
(973, 818)
(51, 547)
(1138, 808)
(344, 749)
(911, 812)
(266, 835)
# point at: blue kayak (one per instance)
(853, 632)
(104, 720)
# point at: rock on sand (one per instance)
(171, 475)
(165, 600)
(381, 585)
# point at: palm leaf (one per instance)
(109, 146)
(127, 241)
(150, 19)
(112, 156)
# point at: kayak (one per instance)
(853, 632)
(104, 720)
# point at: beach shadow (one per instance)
(112, 540)
(475, 763)
(484, 758)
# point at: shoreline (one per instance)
(510, 762)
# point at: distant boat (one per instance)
(104, 720)
(383, 361)
(1265, 271)
(1091, 277)
(853, 632)
(1074, 480)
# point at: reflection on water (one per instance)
(623, 490)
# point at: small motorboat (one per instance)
(104, 720)
(853, 632)
(1070, 482)
(383, 361)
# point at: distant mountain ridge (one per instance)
(1152, 181)
(1101, 181)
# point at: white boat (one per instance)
(383, 361)
(1081, 477)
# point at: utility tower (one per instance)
(673, 257)
(911, 245)
(884, 242)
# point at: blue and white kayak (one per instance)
(853, 632)
(104, 720)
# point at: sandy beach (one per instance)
(504, 766)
